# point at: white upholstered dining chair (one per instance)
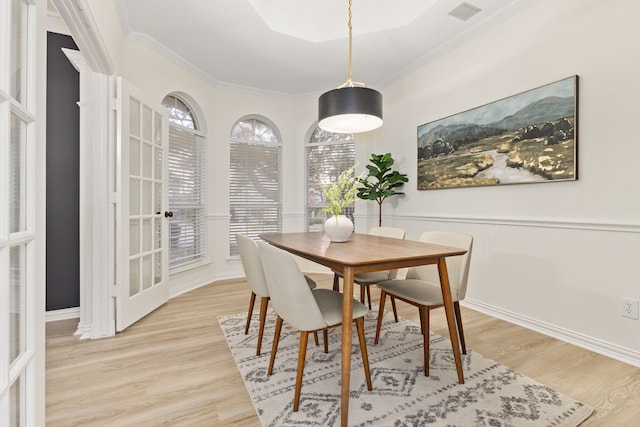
(304, 309)
(365, 280)
(421, 287)
(255, 278)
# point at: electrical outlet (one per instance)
(629, 308)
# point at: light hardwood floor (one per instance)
(174, 368)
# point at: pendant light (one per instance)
(352, 107)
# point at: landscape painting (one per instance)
(525, 138)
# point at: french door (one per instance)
(21, 217)
(142, 219)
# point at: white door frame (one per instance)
(97, 170)
(96, 218)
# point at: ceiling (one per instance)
(301, 47)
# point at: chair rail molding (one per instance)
(575, 224)
(218, 217)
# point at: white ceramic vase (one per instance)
(338, 228)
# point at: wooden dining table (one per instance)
(364, 253)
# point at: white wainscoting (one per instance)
(560, 277)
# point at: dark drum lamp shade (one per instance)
(350, 109)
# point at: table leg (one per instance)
(347, 314)
(451, 321)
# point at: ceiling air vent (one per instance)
(464, 11)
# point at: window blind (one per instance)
(325, 162)
(254, 184)
(187, 233)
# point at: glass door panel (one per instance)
(18, 50)
(17, 397)
(17, 170)
(17, 314)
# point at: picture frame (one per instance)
(530, 137)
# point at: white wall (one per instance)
(556, 256)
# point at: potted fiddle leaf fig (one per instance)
(381, 182)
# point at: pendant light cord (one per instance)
(349, 79)
(350, 82)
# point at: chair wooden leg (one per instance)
(383, 297)
(325, 337)
(252, 301)
(362, 293)
(395, 311)
(363, 348)
(336, 282)
(315, 338)
(424, 323)
(368, 295)
(302, 354)
(264, 304)
(456, 308)
(274, 347)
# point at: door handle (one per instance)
(168, 214)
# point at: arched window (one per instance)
(187, 185)
(254, 179)
(328, 155)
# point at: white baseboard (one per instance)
(63, 314)
(190, 286)
(613, 351)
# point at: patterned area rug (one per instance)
(493, 395)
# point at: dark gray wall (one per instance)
(63, 182)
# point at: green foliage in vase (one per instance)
(340, 194)
(384, 181)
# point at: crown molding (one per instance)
(55, 23)
(83, 29)
(472, 32)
